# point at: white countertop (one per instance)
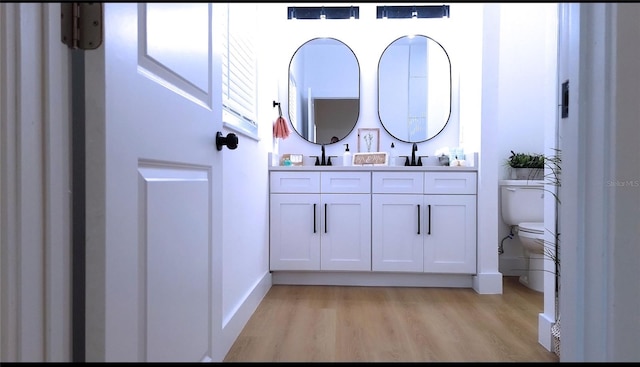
(374, 168)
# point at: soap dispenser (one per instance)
(346, 157)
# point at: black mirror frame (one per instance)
(450, 91)
(340, 138)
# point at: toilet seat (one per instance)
(532, 228)
(531, 236)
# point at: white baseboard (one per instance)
(488, 283)
(372, 279)
(233, 325)
(544, 331)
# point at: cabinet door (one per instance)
(450, 234)
(294, 232)
(397, 227)
(346, 232)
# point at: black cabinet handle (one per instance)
(314, 218)
(418, 218)
(429, 207)
(325, 217)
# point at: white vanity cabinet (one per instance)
(424, 222)
(320, 221)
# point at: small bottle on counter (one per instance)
(346, 157)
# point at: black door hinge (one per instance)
(81, 25)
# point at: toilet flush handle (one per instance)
(511, 189)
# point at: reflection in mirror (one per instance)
(324, 90)
(414, 88)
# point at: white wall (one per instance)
(527, 96)
(525, 78)
(625, 226)
(245, 273)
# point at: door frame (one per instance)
(35, 185)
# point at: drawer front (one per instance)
(398, 182)
(294, 182)
(345, 182)
(450, 183)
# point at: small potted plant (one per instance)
(526, 166)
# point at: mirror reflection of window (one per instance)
(414, 88)
(324, 90)
(293, 102)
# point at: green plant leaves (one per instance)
(525, 160)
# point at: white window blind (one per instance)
(239, 69)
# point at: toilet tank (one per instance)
(521, 201)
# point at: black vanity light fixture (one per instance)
(412, 11)
(323, 12)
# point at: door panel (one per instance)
(174, 256)
(154, 203)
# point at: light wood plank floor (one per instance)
(393, 324)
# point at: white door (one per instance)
(153, 269)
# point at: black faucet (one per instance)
(413, 161)
(414, 149)
(322, 161)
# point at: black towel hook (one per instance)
(279, 109)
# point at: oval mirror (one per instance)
(414, 88)
(324, 90)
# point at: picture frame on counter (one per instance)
(368, 140)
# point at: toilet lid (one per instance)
(532, 227)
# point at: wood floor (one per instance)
(393, 324)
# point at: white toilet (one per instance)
(522, 205)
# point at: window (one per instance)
(239, 68)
